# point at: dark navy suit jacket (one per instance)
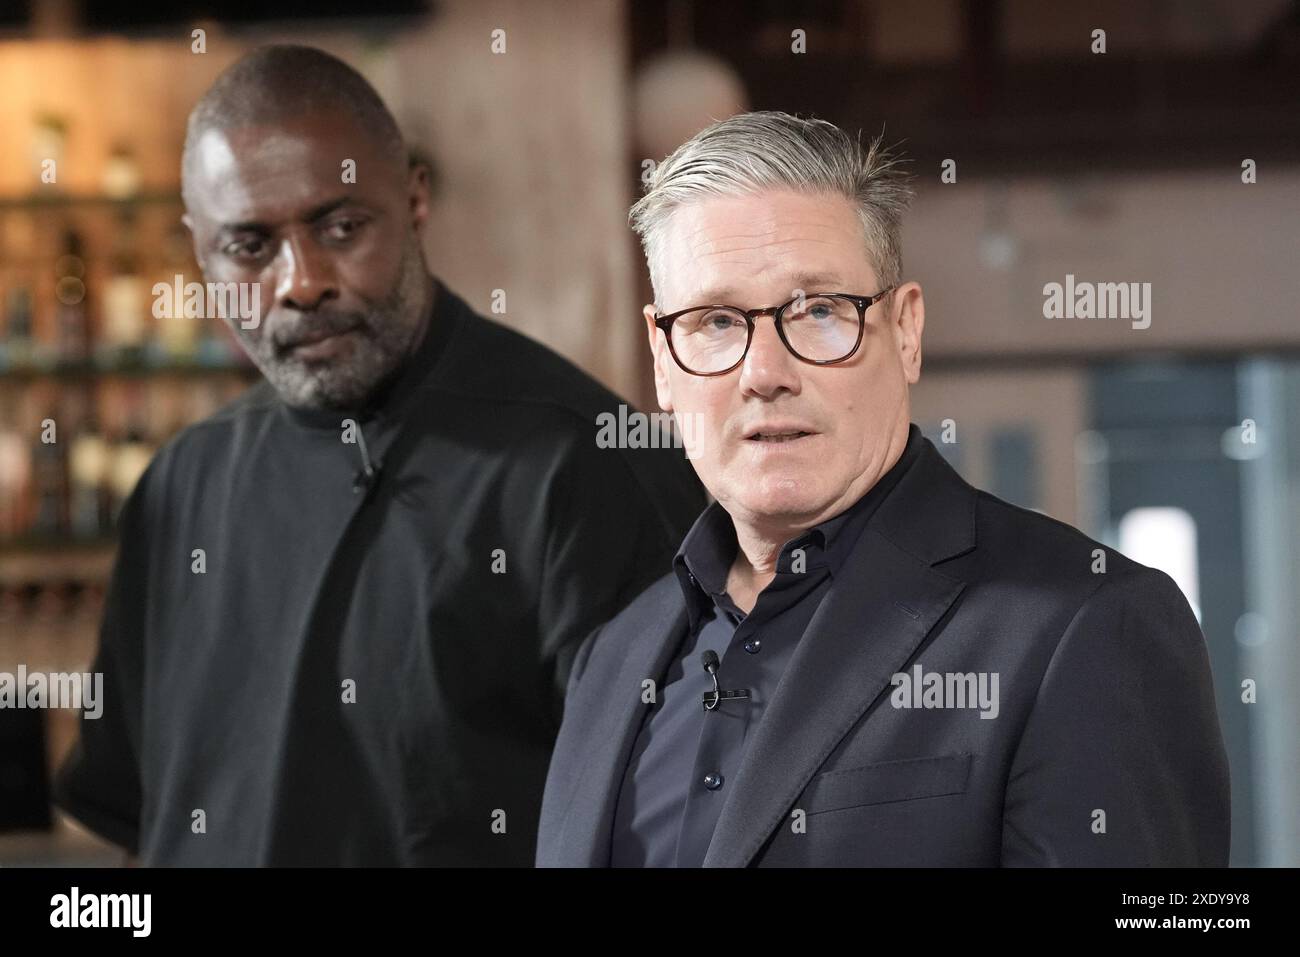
(1105, 751)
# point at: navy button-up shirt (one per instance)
(684, 758)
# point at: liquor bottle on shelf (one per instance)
(15, 477)
(50, 484)
(178, 334)
(48, 140)
(121, 176)
(18, 324)
(70, 294)
(88, 462)
(125, 301)
(129, 457)
(17, 301)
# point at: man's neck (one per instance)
(382, 392)
(759, 540)
(753, 569)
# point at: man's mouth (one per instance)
(777, 435)
(314, 342)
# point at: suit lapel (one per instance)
(589, 820)
(879, 609)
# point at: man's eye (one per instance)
(342, 229)
(246, 249)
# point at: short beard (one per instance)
(384, 338)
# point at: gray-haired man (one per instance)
(857, 658)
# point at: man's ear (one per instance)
(418, 192)
(909, 324)
(662, 358)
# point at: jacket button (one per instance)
(713, 781)
(753, 645)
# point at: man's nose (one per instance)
(306, 275)
(769, 367)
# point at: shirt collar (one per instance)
(706, 554)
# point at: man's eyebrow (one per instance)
(325, 208)
(245, 227)
(816, 282)
(808, 282)
(312, 215)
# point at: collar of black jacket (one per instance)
(931, 514)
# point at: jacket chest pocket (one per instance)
(886, 782)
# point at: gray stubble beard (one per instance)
(387, 338)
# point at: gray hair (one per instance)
(751, 152)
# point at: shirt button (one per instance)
(691, 578)
(753, 645)
(713, 781)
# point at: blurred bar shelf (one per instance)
(127, 370)
(24, 562)
(54, 200)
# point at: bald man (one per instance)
(345, 607)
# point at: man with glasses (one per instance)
(857, 658)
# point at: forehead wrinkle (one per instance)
(757, 248)
(816, 279)
(771, 258)
(796, 280)
(775, 247)
(760, 232)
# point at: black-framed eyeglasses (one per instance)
(823, 329)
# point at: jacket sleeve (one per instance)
(1121, 762)
(613, 532)
(99, 782)
(579, 654)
